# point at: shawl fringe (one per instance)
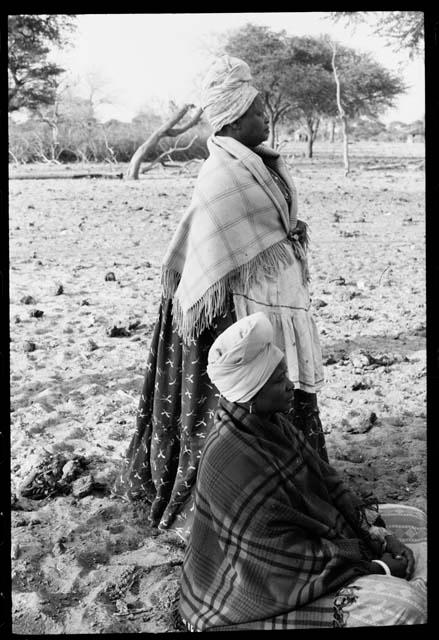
(190, 324)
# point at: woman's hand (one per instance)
(299, 231)
(398, 550)
(377, 546)
(397, 566)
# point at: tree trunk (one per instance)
(272, 138)
(54, 144)
(310, 141)
(344, 128)
(332, 130)
(51, 123)
(312, 134)
(274, 115)
(343, 118)
(167, 129)
(272, 121)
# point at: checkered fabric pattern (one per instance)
(237, 224)
(274, 529)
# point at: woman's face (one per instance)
(252, 128)
(277, 393)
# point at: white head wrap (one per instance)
(227, 92)
(243, 357)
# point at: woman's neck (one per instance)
(248, 406)
(232, 134)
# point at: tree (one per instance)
(32, 79)
(367, 129)
(358, 85)
(313, 98)
(368, 88)
(267, 54)
(341, 111)
(364, 88)
(310, 85)
(402, 29)
(25, 141)
(330, 122)
(295, 75)
(73, 130)
(147, 119)
(167, 129)
(50, 115)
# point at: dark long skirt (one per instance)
(306, 418)
(174, 416)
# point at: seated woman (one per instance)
(278, 541)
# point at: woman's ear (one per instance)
(236, 125)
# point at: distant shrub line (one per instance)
(87, 140)
(91, 141)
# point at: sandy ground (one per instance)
(83, 559)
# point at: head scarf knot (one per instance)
(243, 357)
(227, 92)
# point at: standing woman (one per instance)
(238, 249)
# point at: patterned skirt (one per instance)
(174, 416)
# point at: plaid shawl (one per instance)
(236, 225)
(274, 529)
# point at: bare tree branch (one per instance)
(167, 129)
(14, 158)
(284, 109)
(178, 131)
(168, 152)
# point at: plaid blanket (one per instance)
(236, 225)
(274, 529)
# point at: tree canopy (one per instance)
(267, 54)
(295, 76)
(402, 29)
(367, 87)
(32, 79)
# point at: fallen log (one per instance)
(64, 176)
(383, 167)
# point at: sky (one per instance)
(138, 59)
